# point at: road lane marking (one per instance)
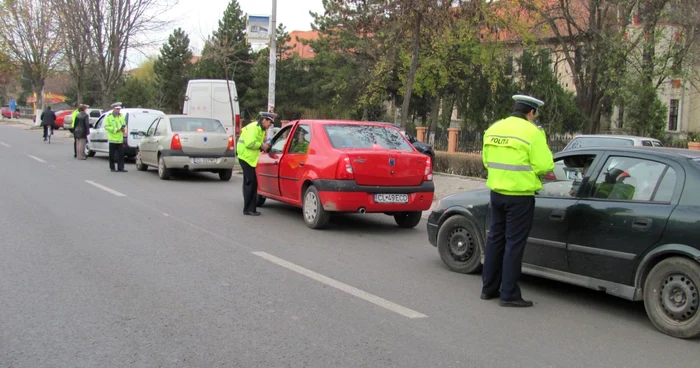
(5, 144)
(342, 287)
(36, 158)
(108, 190)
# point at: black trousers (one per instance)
(250, 187)
(116, 154)
(511, 222)
(46, 131)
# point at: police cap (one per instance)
(529, 101)
(117, 105)
(268, 115)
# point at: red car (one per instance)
(6, 113)
(346, 166)
(61, 118)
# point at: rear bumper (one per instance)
(181, 160)
(347, 196)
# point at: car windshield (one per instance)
(582, 142)
(201, 125)
(366, 136)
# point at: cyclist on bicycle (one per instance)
(48, 119)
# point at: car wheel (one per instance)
(315, 216)
(261, 201)
(408, 220)
(458, 245)
(140, 166)
(163, 172)
(672, 298)
(88, 152)
(225, 175)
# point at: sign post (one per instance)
(273, 59)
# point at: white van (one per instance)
(210, 98)
(137, 120)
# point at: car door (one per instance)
(268, 165)
(292, 164)
(97, 140)
(623, 214)
(146, 146)
(546, 245)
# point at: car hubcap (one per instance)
(160, 166)
(461, 244)
(679, 297)
(310, 207)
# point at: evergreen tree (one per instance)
(172, 70)
(226, 54)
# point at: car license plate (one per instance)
(391, 198)
(200, 160)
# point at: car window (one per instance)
(194, 124)
(280, 140)
(628, 179)
(99, 122)
(152, 128)
(301, 140)
(582, 142)
(657, 144)
(646, 143)
(664, 192)
(366, 136)
(159, 128)
(566, 178)
(95, 113)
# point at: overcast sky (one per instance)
(199, 18)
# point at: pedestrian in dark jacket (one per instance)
(80, 132)
(48, 119)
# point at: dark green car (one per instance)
(624, 220)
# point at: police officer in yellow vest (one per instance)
(516, 155)
(250, 144)
(115, 125)
(72, 126)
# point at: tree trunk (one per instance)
(434, 116)
(412, 71)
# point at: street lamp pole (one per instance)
(273, 58)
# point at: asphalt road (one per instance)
(101, 269)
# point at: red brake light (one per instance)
(230, 143)
(238, 125)
(344, 170)
(428, 170)
(550, 176)
(175, 144)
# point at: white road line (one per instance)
(5, 144)
(108, 190)
(36, 158)
(342, 287)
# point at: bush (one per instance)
(463, 164)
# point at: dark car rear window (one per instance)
(203, 125)
(366, 136)
(584, 142)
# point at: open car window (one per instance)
(280, 140)
(566, 178)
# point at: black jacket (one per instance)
(82, 120)
(48, 117)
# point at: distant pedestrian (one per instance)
(115, 125)
(516, 155)
(48, 119)
(81, 129)
(250, 144)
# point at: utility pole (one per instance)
(273, 59)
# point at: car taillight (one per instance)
(238, 125)
(550, 176)
(344, 170)
(175, 144)
(428, 170)
(230, 143)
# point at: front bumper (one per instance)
(433, 226)
(347, 196)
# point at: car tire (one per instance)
(672, 299)
(88, 152)
(408, 220)
(261, 201)
(163, 172)
(225, 175)
(140, 166)
(458, 245)
(314, 215)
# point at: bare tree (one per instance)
(28, 34)
(116, 26)
(75, 29)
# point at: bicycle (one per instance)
(49, 133)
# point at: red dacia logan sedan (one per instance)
(346, 166)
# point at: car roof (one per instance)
(657, 151)
(342, 122)
(614, 136)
